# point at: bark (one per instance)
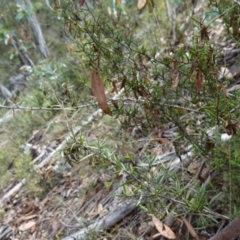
(48, 4)
(107, 222)
(231, 231)
(35, 26)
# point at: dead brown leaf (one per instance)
(190, 228)
(26, 226)
(141, 4)
(99, 92)
(163, 229)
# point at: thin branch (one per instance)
(13, 191)
(16, 107)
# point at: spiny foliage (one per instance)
(179, 86)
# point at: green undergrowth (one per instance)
(173, 192)
(226, 160)
(51, 85)
(179, 87)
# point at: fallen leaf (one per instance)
(98, 91)
(190, 228)
(26, 226)
(141, 4)
(163, 229)
(101, 211)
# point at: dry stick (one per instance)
(45, 108)
(231, 231)
(35, 26)
(68, 138)
(75, 214)
(16, 107)
(115, 192)
(12, 192)
(106, 222)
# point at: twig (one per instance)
(15, 107)
(107, 221)
(69, 137)
(13, 191)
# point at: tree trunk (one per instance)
(35, 26)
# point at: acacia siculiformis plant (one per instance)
(179, 86)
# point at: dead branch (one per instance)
(37, 31)
(231, 231)
(12, 192)
(106, 222)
